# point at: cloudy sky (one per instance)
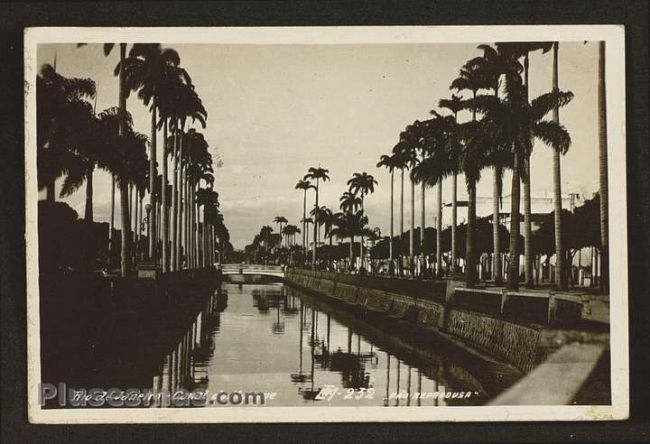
(276, 110)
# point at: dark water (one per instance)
(275, 339)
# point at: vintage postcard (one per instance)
(312, 224)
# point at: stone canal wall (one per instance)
(517, 328)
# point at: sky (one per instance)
(276, 110)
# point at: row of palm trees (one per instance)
(184, 224)
(499, 134)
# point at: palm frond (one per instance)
(553, 134)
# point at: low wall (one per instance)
(423, 289)
(516, 328)
(558, 311)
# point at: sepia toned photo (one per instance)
(326, 224)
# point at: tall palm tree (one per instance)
(602, 169)
(304, 185)
(363, 184)
(517, 123)
(411, 141)
(167, 101)
(84, 155)
(306, 222)
(454, 105)
(516, 50)
(63, 111)
(351, 224)
(280, 220)
(189, 106)
(401, 158)
(491, 67)
(318, 174)
(439, 162)
(471, 79)
(350, 202)
(147, 70)
(125, 263)
(390, 163)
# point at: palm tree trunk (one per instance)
(528, 256)
(88, 213)
(454, 221)
(412, 233)
(186, 217)
(496, 257)
(525, 176)
(304, 215)
(306, 242)
(197, 255)
(470, 260)
(125, 262)
(513, 253)
(351, 251)
(439, 230)
(131, 212)
(560, 266)
(165, 218)
(152, 181)
(602, 169)
(313, 257)
(390, 244)
(422, 219)
(401, 208)
(174, 213)
(361, 242)
(112, 222)
(179, 207)
(140, 221)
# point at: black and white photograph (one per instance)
(387, 223)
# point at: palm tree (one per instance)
(470, 78)
(280, 220)
(305, 223)
(147, 70)
(602, 169)
(454, 105)
(209, 200)
(363, 184)
(516, 122)
(516, 50)
(290, 231)
(349, 202)
(304, 185)
(125, 264)
(189, 106)
(83, 156)
(440, 161)
(390, 163)
(168, 96)
(63, 114)
(316, 174)
(351, 224)
(411, 140)
(402, 160)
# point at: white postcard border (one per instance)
(619, 344)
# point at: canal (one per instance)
(268, 337)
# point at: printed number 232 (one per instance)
(367, 393)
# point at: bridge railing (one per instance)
(251, 268)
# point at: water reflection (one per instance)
(272, 338)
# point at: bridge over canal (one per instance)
(253, 269)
